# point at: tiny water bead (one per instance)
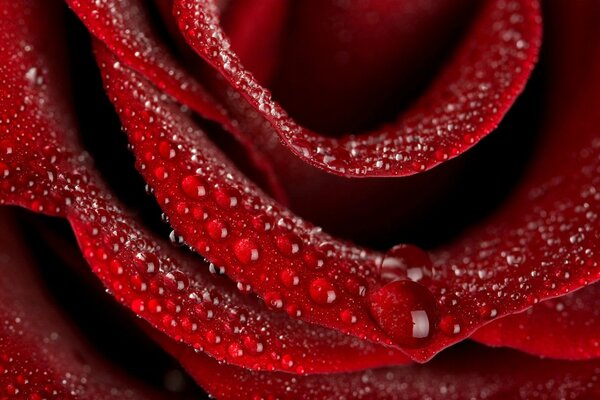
(193, 187)
(406, 311)
(405, 261)
(322, 291)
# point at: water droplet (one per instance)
(289, 278)
(226, 198)
(449, 325)
(322, 291)
(216, 229)
(406, 311)
(246, 250)
(147, 263)
(288, 244)
(273, 300)
(176, 239)
(405, 261)
(193, 187)
(348, 317)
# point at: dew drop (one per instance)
(449, 325)
(322, 291)
(193, 187)
(405, 261)
(176, 239)
(246, 250)
(289, 278)
(406, 311)
(273, 300)
(147, 263)
(288, 244)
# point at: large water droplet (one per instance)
(405, 261)
(406, 311)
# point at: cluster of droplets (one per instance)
(293, 266)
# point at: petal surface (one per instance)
(509, 376)
(565, 328)
(42, 353)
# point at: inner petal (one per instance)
(348, 67)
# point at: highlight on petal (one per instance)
(481, 373)
(174, 293)
(567, 327)
(42, 354)
(466, 101)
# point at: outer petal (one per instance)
(42, 355)
(480, 374)
(567, 327)
(464, 104)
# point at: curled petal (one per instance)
(509, 376)
(566, 327)
(463, 104)
(42, 354)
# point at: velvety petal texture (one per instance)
(249, 296)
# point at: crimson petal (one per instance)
(464, 104)
(524, 255)
(42, 355)
(259, 243)
(545, 241)
(566, 328)
(125, 28)
(47, 171)
(481, 373)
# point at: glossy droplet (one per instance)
(288, 244)
(406, 311)
(216, 229)
(147, 263)
(176, 238)
(405, 261)
(226, 198)
(273, 300)
(193, 187)
(289, 278)
(246, 250)
(449, 325)
(322, 291)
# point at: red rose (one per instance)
(361, 95)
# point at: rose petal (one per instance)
(494, 271)
(258, 243)
(257, 29)
(349, 67)
(42, 354)
(176, 294)
(544, 242)
(567, 327)
(509, 376)
(125, 27)
(464, 104)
